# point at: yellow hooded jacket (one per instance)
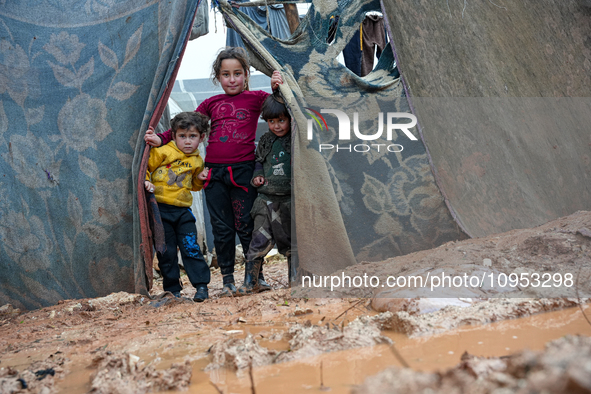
(174, 174)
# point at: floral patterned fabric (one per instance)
(79, 79)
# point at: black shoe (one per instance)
(229, 290)
(177, 294)
(201, 295)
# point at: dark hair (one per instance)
(274, 107)
(237, 53)
(186, 120)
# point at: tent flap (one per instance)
(502, 91)
(78, 84)
(360, 199)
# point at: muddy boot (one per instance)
(251, 278)
(263, 285)
(229, 290)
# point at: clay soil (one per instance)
(131, 343)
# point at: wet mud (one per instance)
(278, 342)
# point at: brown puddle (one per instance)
(342, 370)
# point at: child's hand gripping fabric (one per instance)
(149, 186)
(151, 138)
(276, 80)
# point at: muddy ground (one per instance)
(130, 343)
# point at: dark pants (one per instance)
(229, 197)
(272, 225)
(180, 230)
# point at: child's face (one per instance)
(187, 140)
(232, 77)
(279, 126)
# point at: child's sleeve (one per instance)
(259, 159)
(197, 183)
(263, 96)
(156, 158)
(203, 108)
(165, 137)
(258, 170)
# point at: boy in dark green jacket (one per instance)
(271, 210)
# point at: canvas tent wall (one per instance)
(502, 91)
(78, 81)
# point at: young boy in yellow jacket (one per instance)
(174, 170)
